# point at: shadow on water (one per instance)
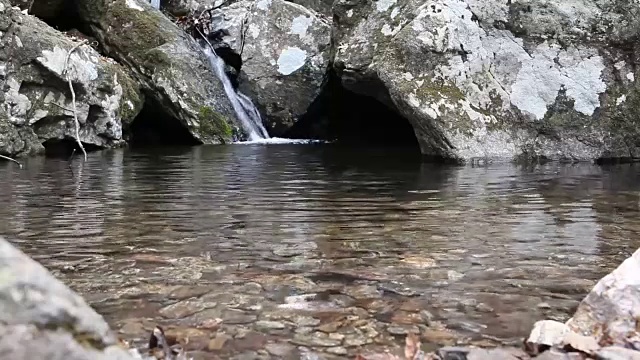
(486, 251)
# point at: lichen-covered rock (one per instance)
(169, 64)
(611, 311)
(36, 103)
(41, 318)
(285, 54)
(321, 6)
(499, 79)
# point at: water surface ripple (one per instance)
(486, 251)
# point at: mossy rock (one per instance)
(212, 124)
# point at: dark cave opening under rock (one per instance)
(66, 147)
(154, 127)
(61, 15)
(352, 119)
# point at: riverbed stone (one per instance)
(319, 339)
(36, 105)
(459, 353)
(185, 308)
(285, 51)
(41, 318)
(498, 80)
(617, 353)
(547, 333)
(611, 311)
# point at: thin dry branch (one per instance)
(73, 96)
(61, 107)
(10, 159)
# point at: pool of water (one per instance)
(283, 251)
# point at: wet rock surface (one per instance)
(169, 64)
(36, 104)
(41, 318)
(284, 50)
(491, 80)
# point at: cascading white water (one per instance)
(155, 4)
(242, 105)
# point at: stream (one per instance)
(255, 251)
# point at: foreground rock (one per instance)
(284, 50)
(606, 325)
(41, 318)
(498, 79)
(171, 67)
(611, 312)
(36, 103)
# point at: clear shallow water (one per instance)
(239, 233)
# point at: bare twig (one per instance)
(10, 159)
(61, 107)
(73, 96)
(205, 39)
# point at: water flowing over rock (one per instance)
(36, 103)
(246, 112)
(41, 318)
(498, 79)
(284, 50)
(169, 64)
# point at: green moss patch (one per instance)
(212, 124)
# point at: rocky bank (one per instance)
(472, 80)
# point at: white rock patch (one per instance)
(133, 5)
(254, 31)
(631, 77)
(79, 69)
(621, 99)
(291, 59)
(264, 4)
(384, 5)
(394, 12)
(540, 79)
(300, 25)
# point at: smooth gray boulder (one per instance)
(36, 103)
(499, 80)
(284, 49)
(41, 318)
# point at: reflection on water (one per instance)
(487, 251)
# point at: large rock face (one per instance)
(499, 79)
(36, 103)
(169, 64)
(41, 318)
(285, 54)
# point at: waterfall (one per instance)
(246, 112)
(155, 4)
